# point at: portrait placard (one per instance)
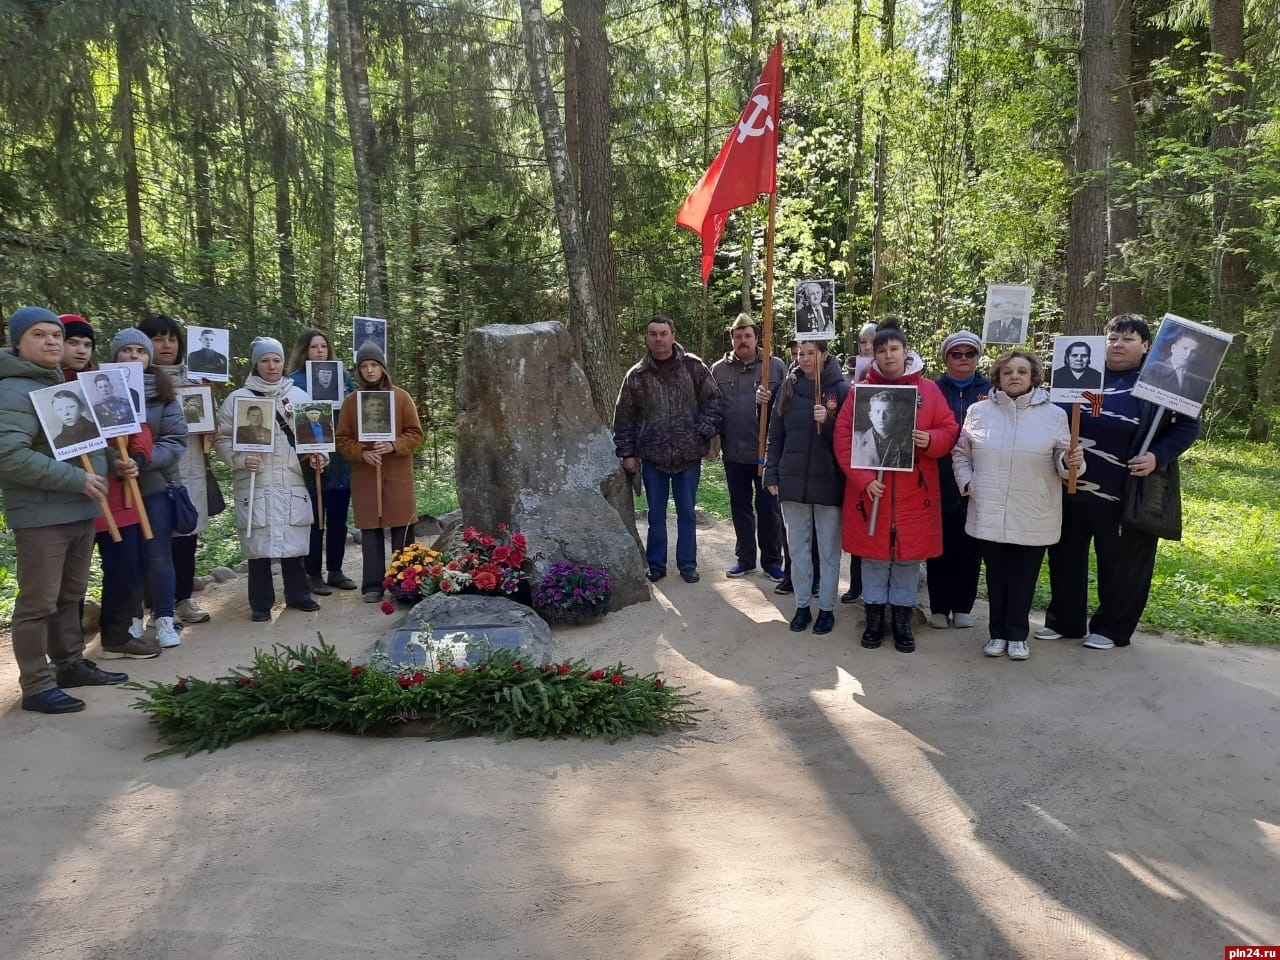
(1182, 364)
(375, 416)
(110, 404)
(133, 371)
(208, 353)
(815, 310)
(197, 408)
(65, 419)
(1078, 364)
(255, 426)
(313, 426)
(1008, 313)
(884, 417)
(368, 329)
(324, 380)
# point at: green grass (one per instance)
(1221, 581)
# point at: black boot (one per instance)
(875, 626)
(904, 640)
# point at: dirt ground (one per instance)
(834, 803)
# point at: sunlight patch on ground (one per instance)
(1143, 875)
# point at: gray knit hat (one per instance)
(961, 338)
(131, 337)
(371, 351)
(261, 346)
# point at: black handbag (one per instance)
(1153, 504)
(185, 515)
(215, 502)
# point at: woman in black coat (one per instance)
(801, 470)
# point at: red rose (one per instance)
(617, 679)
(242, 681)
(470, 533)
(500, 554)
(356, 671)
(183, 681)
(597, 675)
(419, 677)
(519, 540)
(487, 541)
(388, 607)
(502, 528)
(461, 670)
(657, 683)
(300, 669)
(404, 680)
(515, 558)
(518, 665)
(564, 668)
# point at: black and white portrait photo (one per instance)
(816, 310)
(255, 426)
(324, 380)
(368, 329)
(110, 401)
(66, 421)
(884, 417)
(1181, 365)
(375, 416)
(1008, 313)
(313, 426)
(208, 349)
(1077, 368)
(197, 408)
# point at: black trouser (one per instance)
(373, 550)
(331, 545)
(183, 551)
(1126, 561)
(762, 518)
(855, 575)
(1012, 572)
(262, 588)
(953, 577)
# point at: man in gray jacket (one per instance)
(49, 505)
(667, 412)
(737, 375)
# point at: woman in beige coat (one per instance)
(389, 462)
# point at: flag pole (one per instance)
(766, 354)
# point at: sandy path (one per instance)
(834, 803)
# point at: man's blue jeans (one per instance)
(658, 486)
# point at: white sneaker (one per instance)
(191, 612)
(1047, 633)
(938, 621)
(1096, 641)
(166, 636)
(962, 620)
(995, 647)
(137, 628)
(1018, 650)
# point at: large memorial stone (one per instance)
(463, 621)
(532, 452)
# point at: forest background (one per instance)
(262, 165)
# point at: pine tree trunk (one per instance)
(322, 309)
(1125, 294)
(1087, 239)
(584, 320)
(352, 64)
(422, 343)
(855, 180)
(879, 185)
(280, 173)
(125, 55)
(1227, 135)
(250, 200)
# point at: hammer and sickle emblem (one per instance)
(747, 127)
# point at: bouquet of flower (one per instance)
(573, 592)
(410, 576)
(492, 564)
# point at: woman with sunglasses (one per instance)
(953, 576)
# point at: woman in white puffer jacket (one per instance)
(1010, 460)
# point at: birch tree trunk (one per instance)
(584, 318)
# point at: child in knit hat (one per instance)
(78, 343)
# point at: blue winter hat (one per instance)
(24, 318)
(135, 338)
(261, 346)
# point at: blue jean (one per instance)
(890, 581)
(157, 553)
(659, 485)
(822, 524)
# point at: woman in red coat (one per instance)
(909, 523)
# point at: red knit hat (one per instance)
(74, 325)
